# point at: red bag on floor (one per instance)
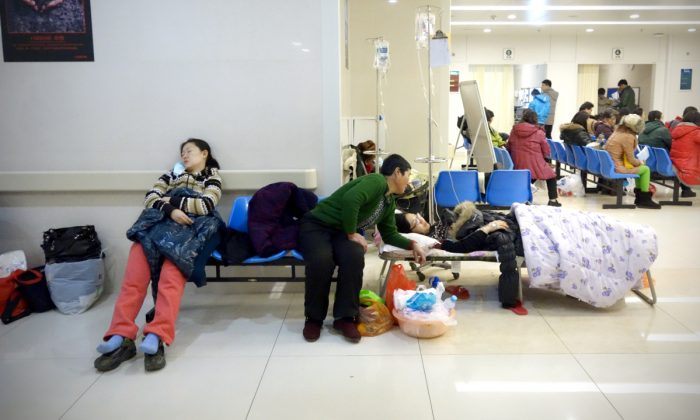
(12, 305)
(397, 280)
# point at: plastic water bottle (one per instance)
(436, 284)
(450, 302)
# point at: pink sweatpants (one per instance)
(171, 285)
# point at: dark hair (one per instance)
(581, 118)
(688, 109)
(692, 116)
(392, 162)
(367, 146)
(639, 111)
(402, 224)
(654, 115)
(601, 91)
(585, 105)
(622, 82)
(547, 82)
(489, 114)
(535, 92)
(608, 113)
(529, 116)
(202, 145)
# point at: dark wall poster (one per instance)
(46, 30)
(686, 79)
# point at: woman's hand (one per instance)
(359, 239)
(180, 217)
(418, 253)
(494, 226)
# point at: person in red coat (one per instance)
(528, 148)
(685, 148)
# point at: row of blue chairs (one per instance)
(598, 163)
(503, 159)
(504, 188)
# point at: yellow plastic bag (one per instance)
(375, 318)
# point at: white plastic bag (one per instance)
(75, 286)
(11, 261)
(571, 185)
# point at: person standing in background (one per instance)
(539, 104)
(628, 98)
(603, 101)
(553, 95)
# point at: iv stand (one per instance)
(430, 159)
(379, 116)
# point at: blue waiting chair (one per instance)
(607, 170)
(562, 157)
(664, 167)
(503, 159)
(592, 161)
(453, 187)
(508, 187)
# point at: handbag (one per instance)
(12, 305)
(32, 285)
(76, 243)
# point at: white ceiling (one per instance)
(567, 16)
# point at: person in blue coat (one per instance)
(540, 104)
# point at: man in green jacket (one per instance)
(329, 237)
(627, 96)
(655, 133)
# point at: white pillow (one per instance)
(422, 240)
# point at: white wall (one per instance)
(228, 72)
(562, 53)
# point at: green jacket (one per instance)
(655, 134)
(627, 99)
(355, 202)
(496, 138)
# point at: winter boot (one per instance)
(643, 200)
(636, 196)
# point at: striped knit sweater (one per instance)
(207, 182)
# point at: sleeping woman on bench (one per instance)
(173, 237)
(467, 229)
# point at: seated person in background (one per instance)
(621, 147)
(639, 111)
(655, 133)
(575, 131)
(180, 217)
(474, 230)
(528, 147)
(606, 125)
(368, 159)
(685, 149)
(588, 107)
(679, 119)
(603, 101)
(498, 139)
(539, 104)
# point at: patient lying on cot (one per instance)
(593, 257)
(466, 229)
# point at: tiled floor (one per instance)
(239, 354)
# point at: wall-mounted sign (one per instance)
(686, 79)
(508, 53)
(40, 30)
(618, 53)
(454, 81)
